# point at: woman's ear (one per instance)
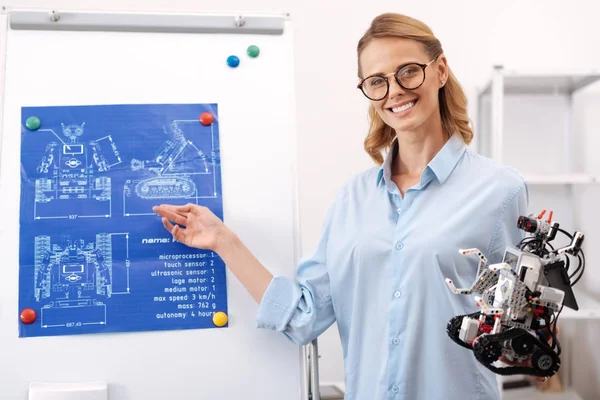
(442, 70)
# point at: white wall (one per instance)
(332, 113)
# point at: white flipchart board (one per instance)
(132, 58)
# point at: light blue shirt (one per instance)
(379, 269)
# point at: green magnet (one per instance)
(32, 123)
(253, 51)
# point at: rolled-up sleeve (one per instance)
(301, 308)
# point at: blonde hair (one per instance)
(452, 99)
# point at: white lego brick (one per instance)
(468, 329)
(551, 294)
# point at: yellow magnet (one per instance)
(220, 318)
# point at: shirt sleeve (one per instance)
(506, 232)
(301, 308)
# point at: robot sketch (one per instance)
(74, 279)
(180, 172)
(520, 301)
(69, 175)
(74, 275)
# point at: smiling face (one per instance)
(405, 110)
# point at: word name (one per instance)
(156, 240)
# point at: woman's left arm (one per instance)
(506, 232)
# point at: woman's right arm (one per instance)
(204, 230)
(299, 308)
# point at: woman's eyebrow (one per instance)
(397, 67)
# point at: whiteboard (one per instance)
(94, 59)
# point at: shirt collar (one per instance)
(441, 165)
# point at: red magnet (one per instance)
(28, 316)
(207, 118)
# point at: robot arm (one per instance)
(98, 157)
(575, 246)
(161, 162)
(48, 158)
(102, 267)
(44, 275)
(168, 154)
(484, 281)
(486, 277)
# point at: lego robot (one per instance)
(520, 300)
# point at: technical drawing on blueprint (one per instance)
(182, 170)
(72, 174)
(93, 256)
(76, 277)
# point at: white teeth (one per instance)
(404, 107)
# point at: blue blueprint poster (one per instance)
(94, 258)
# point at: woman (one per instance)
(392, 235)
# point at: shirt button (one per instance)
(398, 210)
(395, 389)
(399, 245)
(397, 293)
(396, 340)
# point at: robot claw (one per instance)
(520, 301)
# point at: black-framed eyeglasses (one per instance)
(409, 76)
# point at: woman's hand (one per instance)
(201, 228)
(197, 226)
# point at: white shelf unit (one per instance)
(536, 86)
(504, 83)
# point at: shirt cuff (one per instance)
(277, 305)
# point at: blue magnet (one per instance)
(233, 61)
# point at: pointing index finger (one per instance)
(170, 213)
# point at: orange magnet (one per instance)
(28, 316)
(207, 118)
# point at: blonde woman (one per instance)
(392, 235)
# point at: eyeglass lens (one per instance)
(410, 77)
